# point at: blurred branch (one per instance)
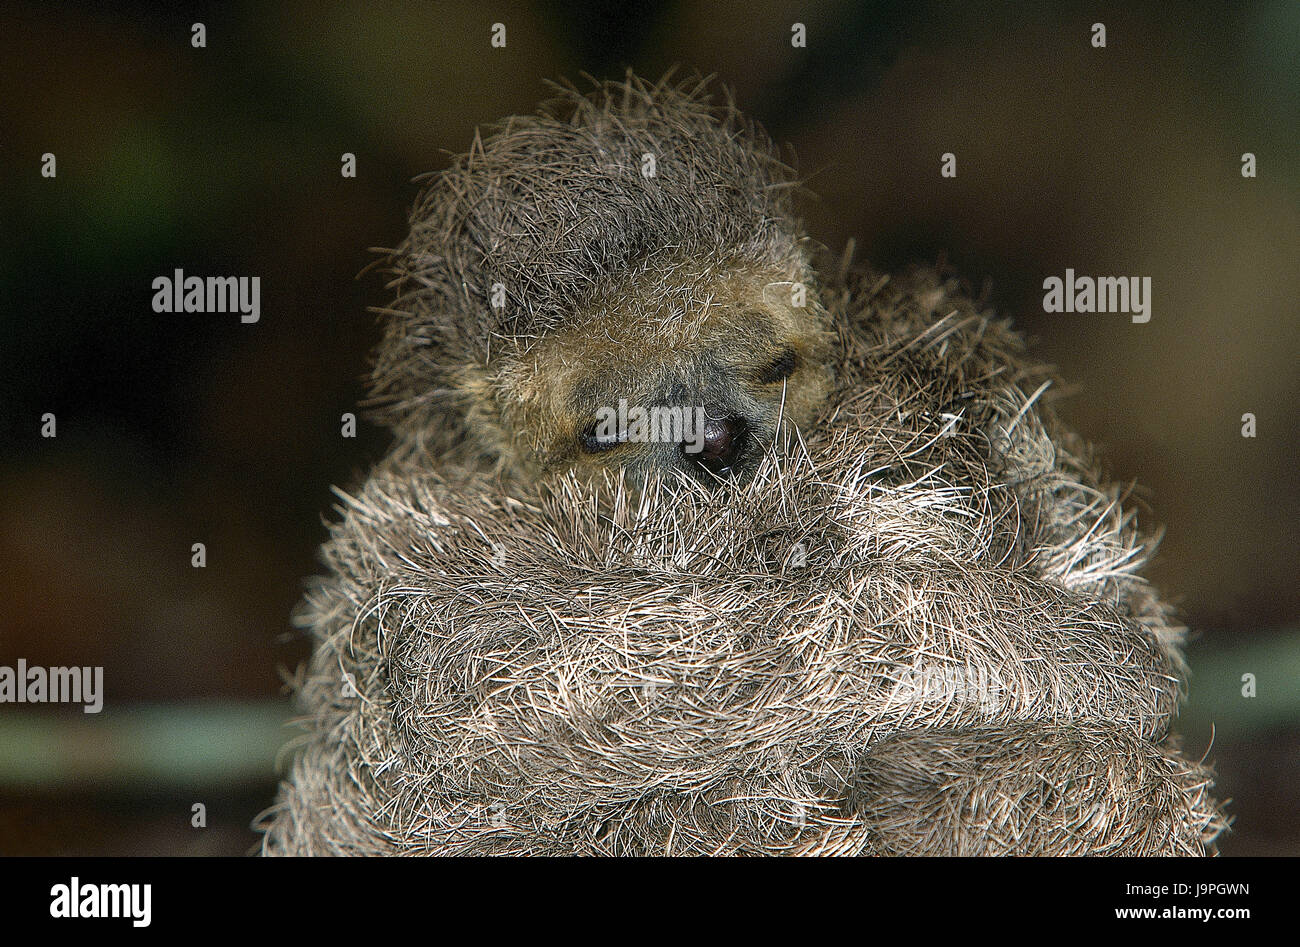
(155, 747)
(1216, 699)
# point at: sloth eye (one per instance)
(596, 441)
(779, 370)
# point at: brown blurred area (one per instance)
(176, 429)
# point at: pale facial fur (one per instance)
(722, 343)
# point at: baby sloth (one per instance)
(859, 591)
(618, 282)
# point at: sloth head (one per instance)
(615, 282)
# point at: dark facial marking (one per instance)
(779, 370)
(593, 443)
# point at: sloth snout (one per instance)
(721, 446)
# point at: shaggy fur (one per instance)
(596, 263)
(919, 628)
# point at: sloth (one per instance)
(640, 250)
(855, 591)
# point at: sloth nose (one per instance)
(724, 439)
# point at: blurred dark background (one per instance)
(176, 428)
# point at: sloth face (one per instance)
(677, 368)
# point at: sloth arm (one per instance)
(1031, 788)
